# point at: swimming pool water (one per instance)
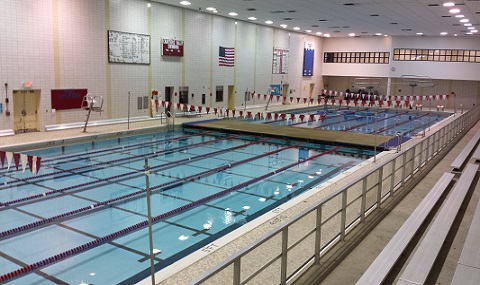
(82, 218)
(385, 122)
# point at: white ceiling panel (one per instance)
(341, 17)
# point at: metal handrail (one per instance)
(410, 161)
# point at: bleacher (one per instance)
(421, 262)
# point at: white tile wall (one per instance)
(27, 53)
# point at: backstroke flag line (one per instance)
(226, 56)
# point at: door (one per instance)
(25, 105)
(285, 94)
(183, 95)
(168, 98)
(231, 97)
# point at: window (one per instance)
(442, 55)
(357, 57)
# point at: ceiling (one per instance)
(339, 18)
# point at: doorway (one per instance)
(284, 93)
(310, 95)
(231, 97)
(25, 106)
(168, 98)
(183, 90)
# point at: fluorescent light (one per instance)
(252, 18)
(233, 14)
(296, 28)
(326, 35)
(351, 34)
(149, 5)
(459, 16)
(464, 20)
(378, 34)
(467, 24)
(471, 28)
(419, 34)
(269, 22)
(210, 9)
(454, 11)
(474, 31)
(318, 33)
(284, 26)
(448, 4)
(308, 31)
(185, 3)
(443, 33)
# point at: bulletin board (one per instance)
(128, 48)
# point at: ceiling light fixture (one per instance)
(419, 34)
(284, 26)
(296, 28)
(467, 24)
(210, 9)
(326, 35)
(185, 3)
(149, 5)
(378, 34)
(459, 16)
(252, 18)
(443, 33)
(269, 22)
(308, 31)
(454, 11)
(464, 20)
(319, 33)
(351, 34)
(233, 14)
(448, 4)
(471, 28)
(474, 31)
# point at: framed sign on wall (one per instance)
(171, 47)
(128, 48)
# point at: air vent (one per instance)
(334, 27)
(478, 12)
(433, 5)
(322, 20)
(446, 16)
(406, 30)
(277, 12)
(364, 32)
(251, 9)
(336, 31)
(456, 25)
(314, 26)
(374, 15)
(393, 23)
(287, 19)
(292, 11)
(346, 27)
(349, 4)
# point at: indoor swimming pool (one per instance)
(387, 122)
(82, 219)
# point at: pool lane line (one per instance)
(99, 241)
(367, 123)
(144, 144)
(347, 120)
(11, 202)
(170, 184)
(154, 153)
(398, 124)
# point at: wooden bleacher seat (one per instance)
(383, 264)
(420, 265)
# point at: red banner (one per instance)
(64, 99)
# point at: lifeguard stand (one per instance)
(91, 103)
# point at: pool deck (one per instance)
(322, 136)
(346, 273)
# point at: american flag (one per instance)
(226, 56)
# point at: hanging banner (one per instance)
(280, 61)
(308, 55)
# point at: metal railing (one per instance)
(303, 239)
